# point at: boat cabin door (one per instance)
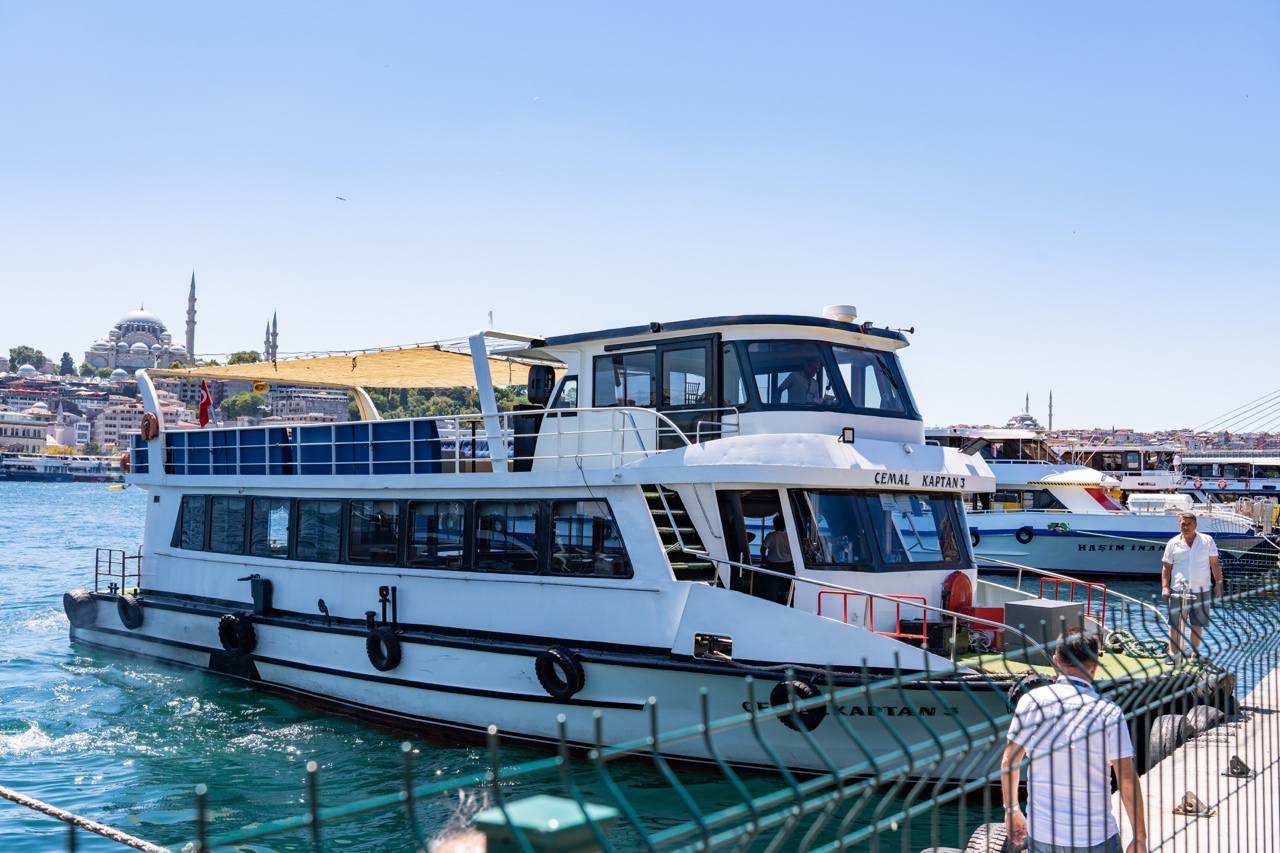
(689, 386)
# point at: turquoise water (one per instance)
(124, 742)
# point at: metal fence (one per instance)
(1205, 734)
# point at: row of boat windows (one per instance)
(1012, 500)
(1233, 471)
(566, 537)
(783, 374)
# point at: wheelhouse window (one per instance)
(833, 535)
(734, 381)
(791, 373)
(625, 379)
(191, 523)
(587, 541)
(684, 377)
(507, 536)
(269, 528)
(319, 531)
(437, 534)
(373, 534)
(871, 378)
(227, 517)
(913, 528)
(567, 394)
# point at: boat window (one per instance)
(567, 394)
(587, 541)
(269, 531)
(625, 379)
(1194, 471)
(735, 384)
(373, 534)
(227, 523)
(507, 536)
(870, 378)
(191, 523)
(684, 377)
(914, 528)
(1133, 460)
(1270, 472)
(1112, 461)
(791, 373)
(437, 534)
(833, 536)
(1155, 461)
(319, 531)
(1043, 499)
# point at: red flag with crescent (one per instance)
(206, 402)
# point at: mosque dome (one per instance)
(119, 374)
(122, 346)
(140, 317)
(140, 347)
(100, 346)
(178, 349)
(26, 370)
(157, 348)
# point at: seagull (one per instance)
(339, 198)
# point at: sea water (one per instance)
(124, 741)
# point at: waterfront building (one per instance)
(293, 403)
(20, 433)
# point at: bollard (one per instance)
(549, 824)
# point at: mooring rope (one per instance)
(1123, 641)
(81, 822)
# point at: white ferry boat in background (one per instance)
(609, 550)
(50, 468)
(1228, 474)
(1135, 468)
(1057, 516)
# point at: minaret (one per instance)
(1028, 408)
(266, 344)
(191, 320)
(1050, 411)
(275, 337)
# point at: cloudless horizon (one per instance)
(1077, 198)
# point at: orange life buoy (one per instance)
(1222, 484)
(957, 592)
(124, 463)
(150, 426)
(1197, 483)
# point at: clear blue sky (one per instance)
(1083, 197)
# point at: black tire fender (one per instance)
(811, 718)
(974, 537)
(383, 648)
(1201, 718)
(235, 632)
(1168, 732)
(991, 838)
(1023, 685)
(81, 609)
(129, 609)
(560, 672)
(1024, 535)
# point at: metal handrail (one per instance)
(1059, 576)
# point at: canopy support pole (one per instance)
(488, 402)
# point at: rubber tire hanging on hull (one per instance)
(1024, 535)
(129, 609)
(811, 718)
(974, 537)
(81, 609)
(1168, 732)
(235, 632)
(560, 672)
(383, 648)
(1023, 685)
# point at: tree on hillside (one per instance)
(104, 372)
(68, 367)
(21, 355)
(248, 356)
(87, 369)
(91, 448)
(242, 406)
(176, 365)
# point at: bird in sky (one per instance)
(339, 198)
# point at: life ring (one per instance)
(974, 537)
(129, 609)
(81, 609)
(124, 463)
(811, 718)
(1197, 483)
(383, 648)
(560, 672)
(1222, 484)
(150, 426)
(1024, 535)
(235, 632)
(957, 591)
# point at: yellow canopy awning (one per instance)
(414, 367)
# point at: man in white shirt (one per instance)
(1073, 738)
(804, 386)
(1190, 568)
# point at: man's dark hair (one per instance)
(1079, 648)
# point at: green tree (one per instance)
(21, 355)
(87, 369)
(68, 366)
(91, 448)
(242, 406)
(248, 356)
(176, 365)
(104, 372)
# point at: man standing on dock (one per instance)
(1074, 739)
(1190, 567)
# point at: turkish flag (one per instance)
(206, 402)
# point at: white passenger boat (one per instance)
(1224, 475)
(1135, 468)
(1057, 516)
(606, 551)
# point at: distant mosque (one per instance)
(1026, 420)
(140, 339)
